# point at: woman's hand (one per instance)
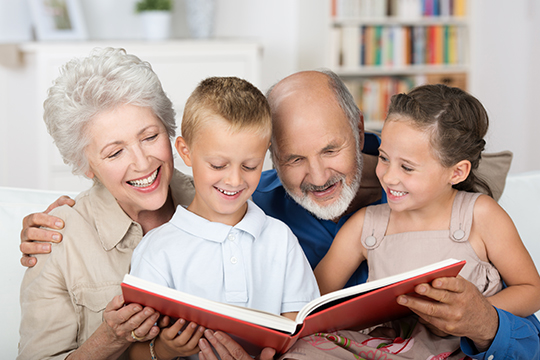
(114, 335)
(180, 339)
(130, 323)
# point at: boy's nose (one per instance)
(233, 178)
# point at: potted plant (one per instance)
(156, 18)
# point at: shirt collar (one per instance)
(112, 223)
(252, 223)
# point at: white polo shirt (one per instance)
(257, 264)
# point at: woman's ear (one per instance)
(183, 150)
(89, 174)
(460, 171)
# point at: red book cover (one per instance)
(358, 307)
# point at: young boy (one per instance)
(222, 246)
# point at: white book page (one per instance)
(254, 316)
(369, 286)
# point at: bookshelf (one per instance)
(383, 47)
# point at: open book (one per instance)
(357, 307)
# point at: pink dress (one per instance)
(390, 255)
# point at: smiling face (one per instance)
(408, 170)
(226, 166)
(315, 151)
(130, 154)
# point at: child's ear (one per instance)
(183, 150)
(461, 171)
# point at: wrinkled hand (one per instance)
(227, 348)
(32, 232)
(459, 309)
(172, 343)
(121, 320)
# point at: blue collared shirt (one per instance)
(257, 263)
(315, 235)
(516, 338)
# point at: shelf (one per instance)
(405, 71)
(390, 21)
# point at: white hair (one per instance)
(86, 87)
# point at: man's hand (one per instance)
(459, 309)
(227, 348)
(32, 232)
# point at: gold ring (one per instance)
(135, 337)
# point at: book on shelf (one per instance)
(359, 306)
(398, 46)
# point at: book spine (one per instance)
(378, 46)
(460, 8)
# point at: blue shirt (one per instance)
(257, 263)
(315, 235)
(516, 338)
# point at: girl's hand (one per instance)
(178, 340)
(130, 323)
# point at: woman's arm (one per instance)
(47, 312)
(505, 250)
(344, 256)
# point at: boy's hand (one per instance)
(171, 344)
(227, 348)
(32, 232)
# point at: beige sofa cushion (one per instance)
(493, 169)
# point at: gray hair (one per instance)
(86, 87)
(345, 100)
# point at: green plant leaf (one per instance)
(149, 5)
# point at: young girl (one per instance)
(431, 146)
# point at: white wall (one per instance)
(505, 75)
(273, 23)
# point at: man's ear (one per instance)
(183, 150)
(460, 171)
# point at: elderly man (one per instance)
(325, 171)
(318, 137)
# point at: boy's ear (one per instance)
(461, 171)
(183, 150)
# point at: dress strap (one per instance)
(375, 225)
(462, 215)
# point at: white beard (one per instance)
(340, 205)
(334, 210)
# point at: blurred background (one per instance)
(264, 41)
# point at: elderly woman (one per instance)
(112, 122)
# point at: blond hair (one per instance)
(235, 100)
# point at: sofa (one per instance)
(520, 198)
